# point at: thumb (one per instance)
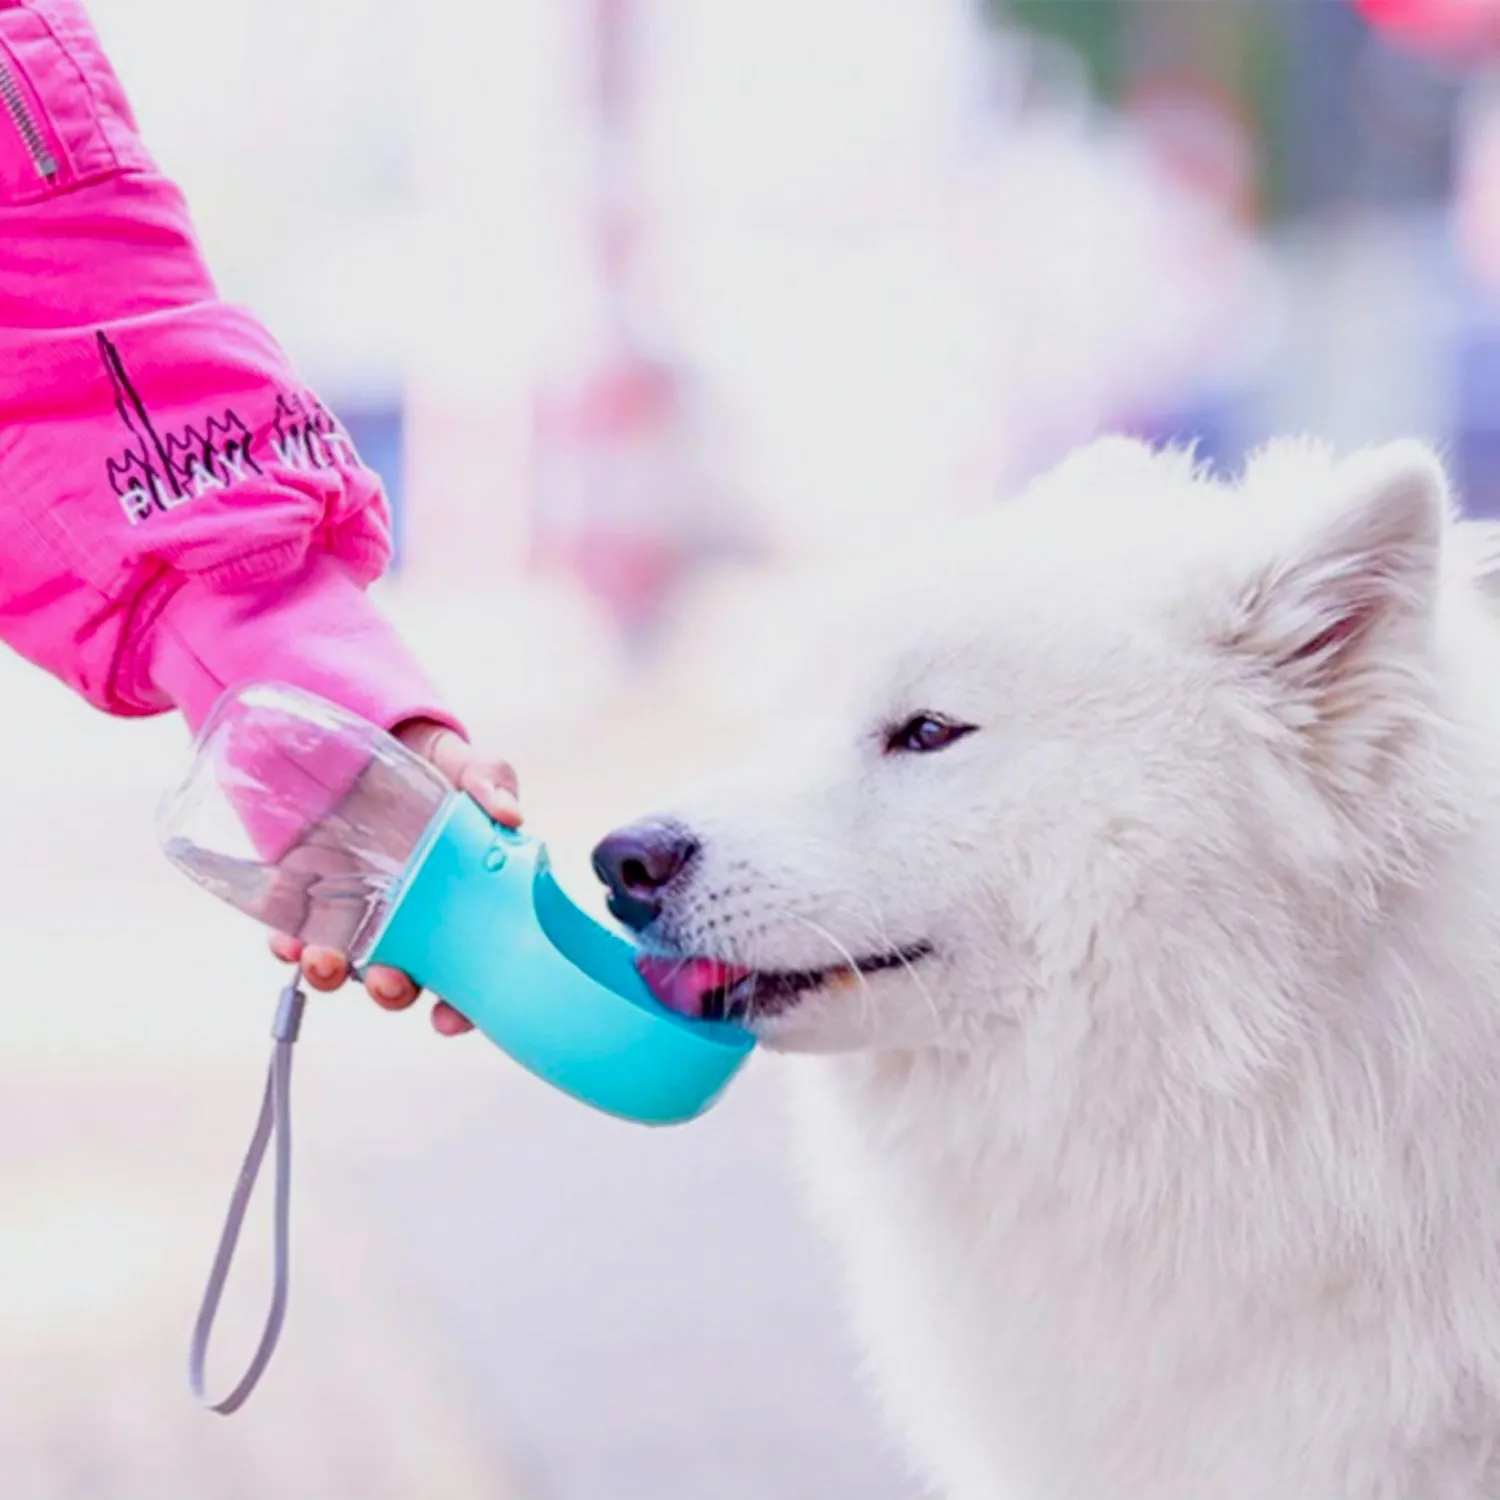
(490, 782)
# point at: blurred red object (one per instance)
(1454, 28)
(1201, 136)
(608, 466)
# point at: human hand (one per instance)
(492, 784)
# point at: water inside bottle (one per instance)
(301, 815)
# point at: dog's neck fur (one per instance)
(1156, 1110)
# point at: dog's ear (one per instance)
(1354, 593)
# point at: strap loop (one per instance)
(275, 1119)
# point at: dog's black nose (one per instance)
(638, 863)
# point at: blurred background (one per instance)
(641, 307)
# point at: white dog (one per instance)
(1140, 871)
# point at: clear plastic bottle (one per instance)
(300, 815)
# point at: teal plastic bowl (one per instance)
(480, 920)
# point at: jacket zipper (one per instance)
(13, 101)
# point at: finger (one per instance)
(390, 988)
(505, 777)
(448, 1022)
(325, 969)
(287, 948)
(492, 784)
(473, 773)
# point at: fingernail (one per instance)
(387, 989)
(322, 968)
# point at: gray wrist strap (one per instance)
(275, 1120)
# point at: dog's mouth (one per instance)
(709, 989)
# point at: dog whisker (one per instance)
(883, 937)
(842, 951)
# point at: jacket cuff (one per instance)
(317, 631)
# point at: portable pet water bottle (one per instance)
(324, 827)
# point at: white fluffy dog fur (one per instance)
(1161, 1138)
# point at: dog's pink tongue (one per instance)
(684, 984)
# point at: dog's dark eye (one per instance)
(925, 733)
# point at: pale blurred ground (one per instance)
(496, 1293)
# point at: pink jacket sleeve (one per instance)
(178, 513)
